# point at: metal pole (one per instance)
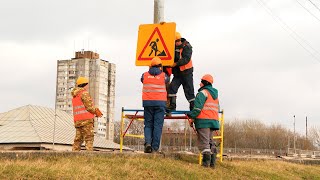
(121, 129)
(294, 133)
(185, 135)
(288, 143)
(306, 127)
(55, 109)
(190, 138)
(158, 13)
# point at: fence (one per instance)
(241, 151)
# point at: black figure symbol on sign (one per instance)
(154, 47)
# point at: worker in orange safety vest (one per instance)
(83, 115)
(154, 97)
(206, 119)
(182, 70)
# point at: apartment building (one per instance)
(101, 74)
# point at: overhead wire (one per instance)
(291, 32)
(308, 10)
(314, 5)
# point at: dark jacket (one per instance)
(154, 71)
(198, 105)
(185, 58)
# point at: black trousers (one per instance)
(186, 81)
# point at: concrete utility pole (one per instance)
(158, 13)
(158, 16)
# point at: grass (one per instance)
(141, 166)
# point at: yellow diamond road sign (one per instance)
(156, 40)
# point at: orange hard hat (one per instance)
(155, 61)
(207, 77)
(178, 35)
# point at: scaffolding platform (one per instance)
(177, 115)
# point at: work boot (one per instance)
(213, 160)
(168, 111)
(191, 105)
(147, 148)
(171, 106)
(168, 102)
(173, 103)
(206, 158)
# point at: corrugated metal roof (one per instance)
(36, 124)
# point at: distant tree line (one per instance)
(257, 135)
(237, 134)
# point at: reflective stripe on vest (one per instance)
(154, 87)
(79, 110)
(210, 108)
(186, 66)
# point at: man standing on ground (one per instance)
(206, 119)
(154, 97)
(83, 114)
(182, 70)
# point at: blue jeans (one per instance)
(153, 123)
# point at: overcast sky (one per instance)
(263, 54)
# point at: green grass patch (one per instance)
(115, 166)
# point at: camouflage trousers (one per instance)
(84, 132)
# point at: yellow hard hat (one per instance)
(207, 77)
(82, 80)
(178, 35)
(155, 61)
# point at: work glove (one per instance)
(98, 112)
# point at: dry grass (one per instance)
(117, 166)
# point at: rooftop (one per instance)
(41, 125)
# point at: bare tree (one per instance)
(315, 136)
(135, 128)
(255, 134)
(116, 132)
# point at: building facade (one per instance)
(101, 76)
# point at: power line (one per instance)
(291, 32)
(314, 4)
(308, 10)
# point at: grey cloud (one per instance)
(48, 20)
(260, 71)
(44, 20)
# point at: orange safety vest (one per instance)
(79, 110)
(186, 66)
(154, 87)
(210, 108)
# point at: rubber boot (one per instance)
(213, 160)
(206, 159)
(191, 105)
